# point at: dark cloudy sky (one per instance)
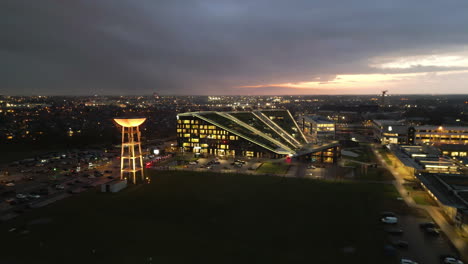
(215, 47)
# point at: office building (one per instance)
(438, 135)
(318, 127)
(259, 134)
(390, 131)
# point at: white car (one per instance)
(10, 184)
(450, 260)
(59, 187)
(35, 196)
(311, 167)
(408, 261)
(21, 196)
(389, 220)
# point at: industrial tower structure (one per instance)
(131, 159)
(384, 93)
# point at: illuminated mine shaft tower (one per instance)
(131, 160)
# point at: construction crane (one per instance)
(383, 97)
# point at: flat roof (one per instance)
(444, 128)
(311, 147)
(388, 122)
(453, 147)
(317, 119)
(442, 186)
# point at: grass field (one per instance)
(423, 198)
(384, 154)
(374, 174)
(189, 217)
(273, 168)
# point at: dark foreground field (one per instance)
(187, 217)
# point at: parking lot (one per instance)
(225, 165)
(36, 182)
(422, 247)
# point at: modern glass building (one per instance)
(260, 134)
(318, 127)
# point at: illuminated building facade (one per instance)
(438, 135)
(397, 132)
(318, 127)
(259, 134)
(390, 131)
(267, 133)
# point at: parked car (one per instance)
(407, 261)
(311, 167)
(427, 225)
(395, 231)
(432, 231)
(452, 260)
(389, 220)
(43, 191)
(10, 200)
(59, 187)
(21, 196)
(400, 243)
(10, 184)
(385, 214)
(34, 196)
(390, 250)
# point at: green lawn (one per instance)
(190, 217)
(422, 198)
(384, 154)
(273, 168)
(374, 174)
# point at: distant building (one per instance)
(399, 132)
(260, 134)
(438, 135)
(320, 128)
(390, 131)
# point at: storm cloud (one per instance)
(216, 47)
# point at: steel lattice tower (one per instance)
(131, 158)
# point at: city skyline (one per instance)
(231, 48)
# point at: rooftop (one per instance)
(318, 119)
(450, 190)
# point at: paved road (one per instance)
(435, 212)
